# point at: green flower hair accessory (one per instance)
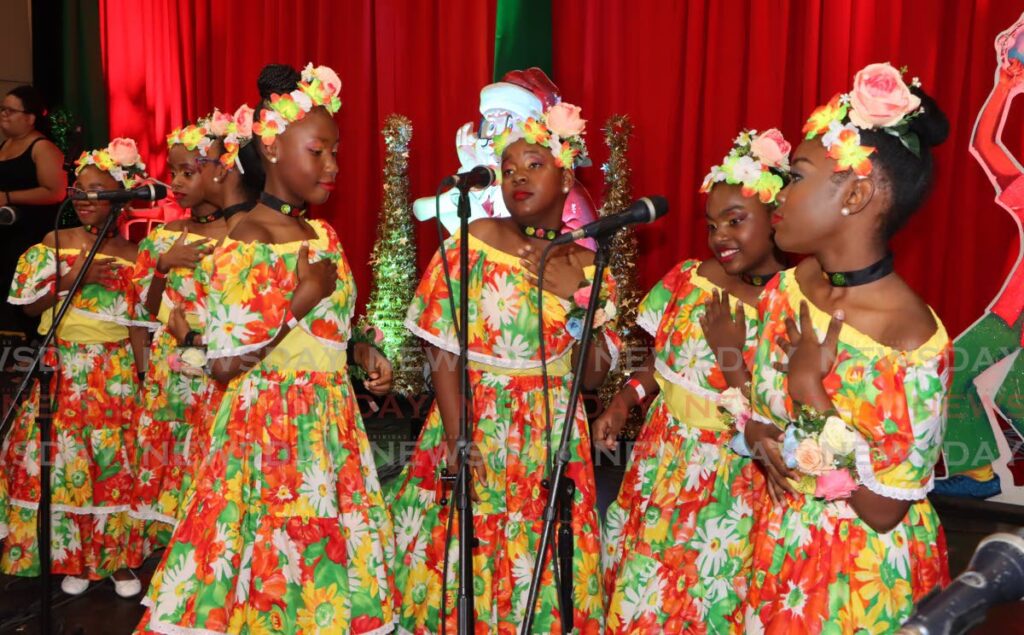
(560, 129)
(319, 86)
(120, 159)
(758, 163)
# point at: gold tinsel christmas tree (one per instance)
(617, 197)
(393, 263)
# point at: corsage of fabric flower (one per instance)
(880, 100)
(120, 159)
(577, 311)
(823, 449)
(319, 86)
(560, 129)
(759, 163)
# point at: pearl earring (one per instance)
(845, 211)
(216, 179)
(565, 190)
(273, 159)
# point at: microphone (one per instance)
(147, 192)
(644, 210)
(479, 177)
(8, 215)
(994, 575)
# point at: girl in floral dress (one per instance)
(844, 340)
(511, 441)
(286, 531)
(179, 397)
(677, 549)
(95, 390)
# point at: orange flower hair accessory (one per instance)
(759, 163)
(319, 86)
(120, 159)
(880, 100)
(560, 129)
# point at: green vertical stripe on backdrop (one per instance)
(85, 89)
(522, 36)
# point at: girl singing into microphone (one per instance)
(512, 444)
(94, 391)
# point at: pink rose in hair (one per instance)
(834, 485)
(330, 80)
(123, 151)
(771, 148)
(219, 122)
(243, 120)
(880, 98)
(564, 120)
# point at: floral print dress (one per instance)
(94, 389)
(177, 406)
(819, 568)
(508, 424)
(286, 531)
(677, 548)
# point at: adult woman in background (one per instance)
(32, 181)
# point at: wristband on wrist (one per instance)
(638, 387)
(290, 319)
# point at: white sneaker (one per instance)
(74, 586)
(128, 588)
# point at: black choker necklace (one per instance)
(858, 277)
(539, 232)
(209, 218)
(756, 279)
(95, 231)
(231, 210)
(278, 205)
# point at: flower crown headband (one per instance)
(757, 162)
(235, 131)
(319, 86)
(120, 159)
(559, 129)
(880, 100)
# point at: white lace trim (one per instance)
(646, 325)
(72, 509)
(338, 346)
(613, 350)
(121, 321)
(238, 350)
(677, 379)
(165, 628)
(453, 347)
(29, 300)
(866, 473)
(149, 514)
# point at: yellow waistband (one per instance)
(301, 351)
(690, 408)
(557, 368)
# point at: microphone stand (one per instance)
(463, 504)
(44, 420)
(562, 488)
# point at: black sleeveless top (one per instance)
(34, 222)
(19, 173)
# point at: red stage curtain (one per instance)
(172, 60)
(690, 74)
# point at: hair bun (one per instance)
(277, 79)
(931, 126)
